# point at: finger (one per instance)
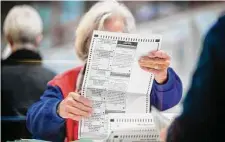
(83, 107)
(81, 99)
(162, 54)
(74, 103)
(151, 54)
(147, 60)
(163, 134)
(85, 101)
(154, 66)
(74, 95)
(143, 58)
(74, 117)
(144, 68)
(77, 111)
(154, 71)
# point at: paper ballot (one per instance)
(114, 80)
(159, 119)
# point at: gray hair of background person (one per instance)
(95, 18)
(23, 25)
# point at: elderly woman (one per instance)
(55, 117)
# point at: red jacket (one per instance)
(67, 83)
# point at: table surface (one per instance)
(33, 140)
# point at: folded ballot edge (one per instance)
(159, 119)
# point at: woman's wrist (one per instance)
(162, 77)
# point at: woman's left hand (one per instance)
(163, 134)
(156, 62)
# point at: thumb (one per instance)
(163, 135)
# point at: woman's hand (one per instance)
(163, 135)
(75, 106)
(156, 62)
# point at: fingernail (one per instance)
(141, 60)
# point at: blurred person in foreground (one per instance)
(55, 117)
(23, 77)
(202, 119)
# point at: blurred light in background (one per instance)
(146, 12)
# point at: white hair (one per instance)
(94, 20)
(23, 24)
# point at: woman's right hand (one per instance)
(75, 106)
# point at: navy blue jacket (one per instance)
(202, 119)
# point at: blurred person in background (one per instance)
(61, 106)
(202, 119)
(23, 77)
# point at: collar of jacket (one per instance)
(23, 56)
